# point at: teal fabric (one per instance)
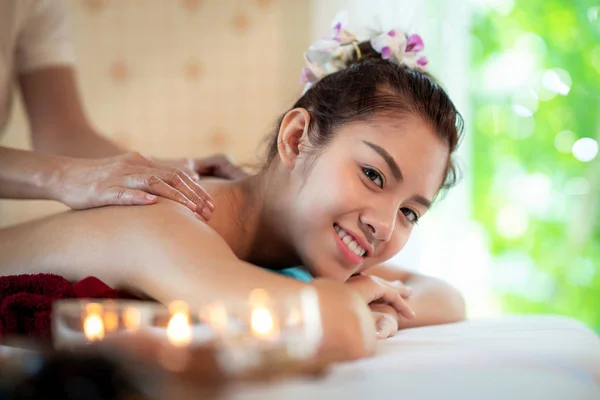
(296, 273)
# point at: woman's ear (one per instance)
(293, 133)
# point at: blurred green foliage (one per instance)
(549, 261)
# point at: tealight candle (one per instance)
(79, 322)
(262, 321)
(179, 331)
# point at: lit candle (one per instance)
(262, 321)
(93, 327)
(179, 331)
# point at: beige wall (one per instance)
(180, 77)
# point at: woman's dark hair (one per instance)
(372, 86)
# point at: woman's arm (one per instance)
(166, 252)
(433, 300)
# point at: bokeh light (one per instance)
(564, 141)
(585, 149)
(525, 103)
(593, 14)
(578, 186)
(517, 273)
(557, 80)
(513, 70)
(533, 193)
(582, 272)
(520, 127)
(503, 7)
(512, 221)
(595, 58)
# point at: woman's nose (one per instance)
(380, 224)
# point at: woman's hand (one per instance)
(386, 299)
(379, 291)
(129, 179)
(218, 165)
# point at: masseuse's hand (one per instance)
(217, 165)
(129, 179)
(387, 301)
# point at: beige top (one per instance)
(33, 34)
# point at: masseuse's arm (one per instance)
(433, 300)
(59, 125)
(81, 183)
(167, 252)
(57, 120)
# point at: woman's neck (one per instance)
(252, 220)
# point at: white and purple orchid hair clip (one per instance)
(332, 54)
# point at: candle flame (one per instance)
(262, 322)
(93, 327)
(179, 331)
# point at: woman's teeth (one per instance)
(349, 241)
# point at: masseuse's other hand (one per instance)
(127, 179)
(217, 165)
(386, 299)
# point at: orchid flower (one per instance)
(329, 55)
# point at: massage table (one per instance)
(513, 357)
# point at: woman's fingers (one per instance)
(375, 289)
(385, 325)
(392, 297)
(386, 320)
(405, 291)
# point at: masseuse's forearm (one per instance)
(27, 175)
(75, 141)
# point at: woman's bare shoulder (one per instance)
(137, 222)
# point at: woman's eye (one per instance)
(410, 215)
(374, 176)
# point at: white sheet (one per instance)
(520, 357)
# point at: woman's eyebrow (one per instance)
(387, 157)
(421, 200)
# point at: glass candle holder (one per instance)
(252, 334)
(263, 333)
(80, 322)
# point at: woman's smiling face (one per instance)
(362, 194)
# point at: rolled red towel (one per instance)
(26, 301)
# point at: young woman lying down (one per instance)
(350, 170)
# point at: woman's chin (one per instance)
(336, 273)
